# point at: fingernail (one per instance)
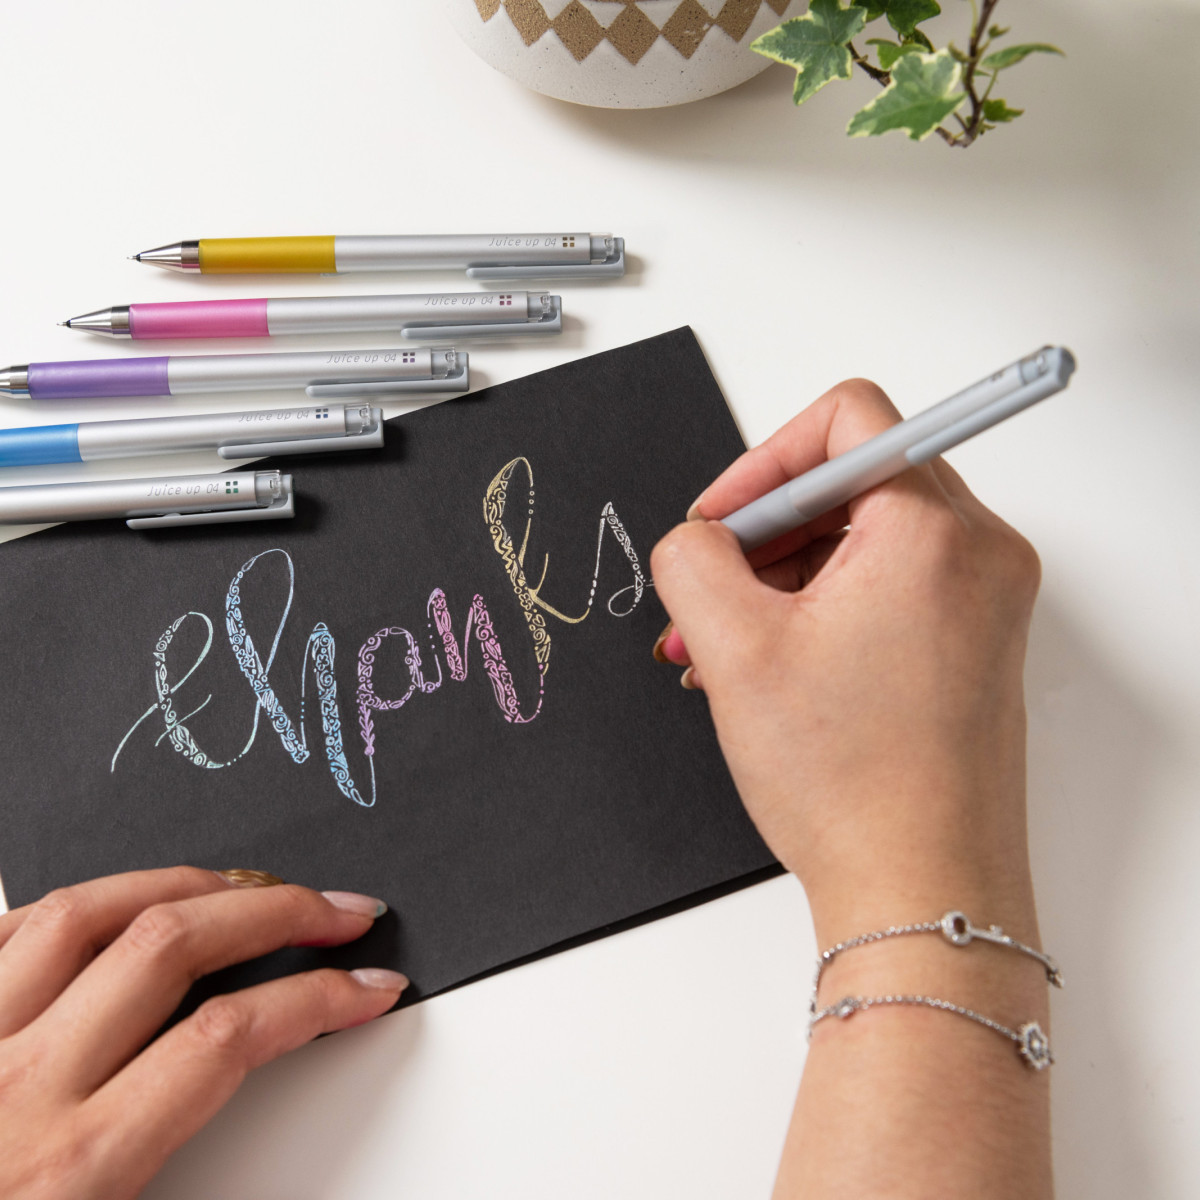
(241, 878)
(687, 680)
(693, 513)
(658, 645)
(377, 977)
(360, 906)
(672, 649)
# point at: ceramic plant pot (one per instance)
(622, 53)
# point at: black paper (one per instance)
(493, 840)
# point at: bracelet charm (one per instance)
(1032, 1043)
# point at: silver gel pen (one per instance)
(426, 317)
(162, 503)
(908, 444)
(310, 430)
(500, 256)
(323, 374)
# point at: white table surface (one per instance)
(661, 1063)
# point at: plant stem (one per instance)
(981, 15)
(881, 77)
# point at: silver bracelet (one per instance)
(1032, 1043)
(955, 927)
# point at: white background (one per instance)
(661, 1063)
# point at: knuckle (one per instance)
(57, 911)
(323, 989)
(57, 1166)
(295, 900)
(188, 877)
(222, 1025)
(667, 550)
(159, 931)
(864, 393)
(1018, 566)
(677, 546)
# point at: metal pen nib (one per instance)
(15, 380)
(179, 256)
(111, 322)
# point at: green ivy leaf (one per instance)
(905, 15)
(917, 38)
(999, 31)
(999, 112)
(890, 51)
(875, 9)
(815, 45)
(921, 95)
(1011, 55)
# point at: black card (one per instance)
(434, 685)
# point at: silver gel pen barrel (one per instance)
(157, 503)
(908, 444)
(322, 374)
(497, 256)
(426, 317)
(313, 429)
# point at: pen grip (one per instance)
(199, 319)
(93, 378)
(267, 256)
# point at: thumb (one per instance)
(721, 610)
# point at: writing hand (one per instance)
(866, 688)
(90, 973)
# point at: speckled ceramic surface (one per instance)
(622, 53)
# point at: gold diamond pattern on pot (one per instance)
(686, 27)
(529, 17)
(735, 17)
(578, 30)
(632, 33)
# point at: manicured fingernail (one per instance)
(241, 878)
(687, 680)
(658, 645)
(672, 649)
(360, 906)
(693, 513)
(377, 977)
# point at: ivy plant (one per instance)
(925, 89)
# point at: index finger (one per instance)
(45, 945)
(844, 417)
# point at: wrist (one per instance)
(864, 901)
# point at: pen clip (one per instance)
(1041, 375)
(316, 445)
(610, 268)
(282, 507)
(551, 322)
(459, 380)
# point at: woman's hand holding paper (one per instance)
(90, 973)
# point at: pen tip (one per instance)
(67, 324)
(134, 257)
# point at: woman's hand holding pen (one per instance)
(866, 688)
(88, 1111)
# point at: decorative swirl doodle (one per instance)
(367, 699)
(320, 653)
(242, 645)
(495, 501)
(497, 670)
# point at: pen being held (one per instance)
(829, 486)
